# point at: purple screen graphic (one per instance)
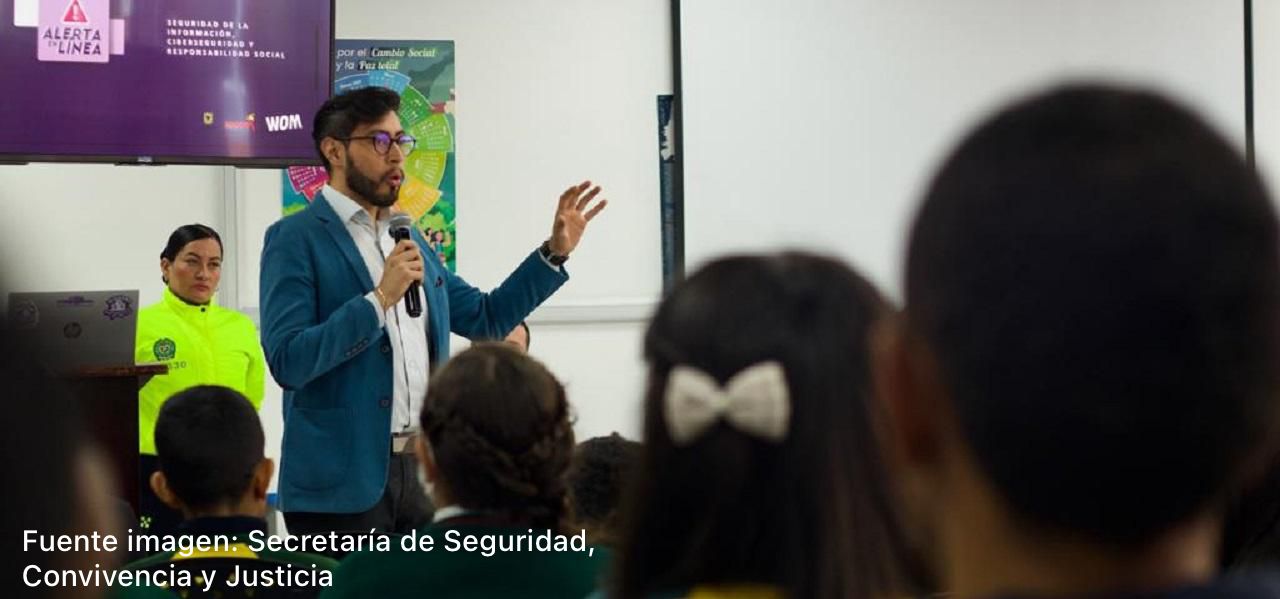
(176, 81)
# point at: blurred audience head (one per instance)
(57, 481)
(760, 462)
(210, 447)
(1087, 359)
(598, 477)
(497, 437)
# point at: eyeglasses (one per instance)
(382, 142)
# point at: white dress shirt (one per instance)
(408, 336)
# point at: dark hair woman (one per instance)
(761, 474)
(201, 342)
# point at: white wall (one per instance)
(74, 226)
(816, 123)
(1266, 90)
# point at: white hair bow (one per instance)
(755, 401)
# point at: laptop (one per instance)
(75, 330)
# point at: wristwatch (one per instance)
(545, 251)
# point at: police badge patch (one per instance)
(164, 349)
(118, 306)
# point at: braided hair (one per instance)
(500, 432)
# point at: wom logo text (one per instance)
(284, 122)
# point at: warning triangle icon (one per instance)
(75, 13)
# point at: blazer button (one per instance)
(384, 402)
(386, 348)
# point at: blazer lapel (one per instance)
(342, 239)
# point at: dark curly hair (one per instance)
(499, 428)
(597, 479)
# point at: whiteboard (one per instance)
(817, 123)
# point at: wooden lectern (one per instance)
(108, 400)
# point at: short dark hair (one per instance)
(499, 427)
(341, 114)
(209, 441)
(1095, 271)
(811, 514)
(187, 234)
(597, 478)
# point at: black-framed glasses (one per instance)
(382, 141)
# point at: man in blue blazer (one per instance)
(352, 360)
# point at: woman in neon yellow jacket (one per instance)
(201, 342)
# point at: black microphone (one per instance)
(400, 225)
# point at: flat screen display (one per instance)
(163, 81)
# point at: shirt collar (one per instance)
(222, 525)
(345, 207)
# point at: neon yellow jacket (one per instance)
(203, 345)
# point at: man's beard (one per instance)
(367, 188)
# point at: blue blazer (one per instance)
(324, 346)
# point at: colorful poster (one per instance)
(423, 74)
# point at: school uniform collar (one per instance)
(452, 516)
(736, 591)
(447, 512)
(222, 525)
